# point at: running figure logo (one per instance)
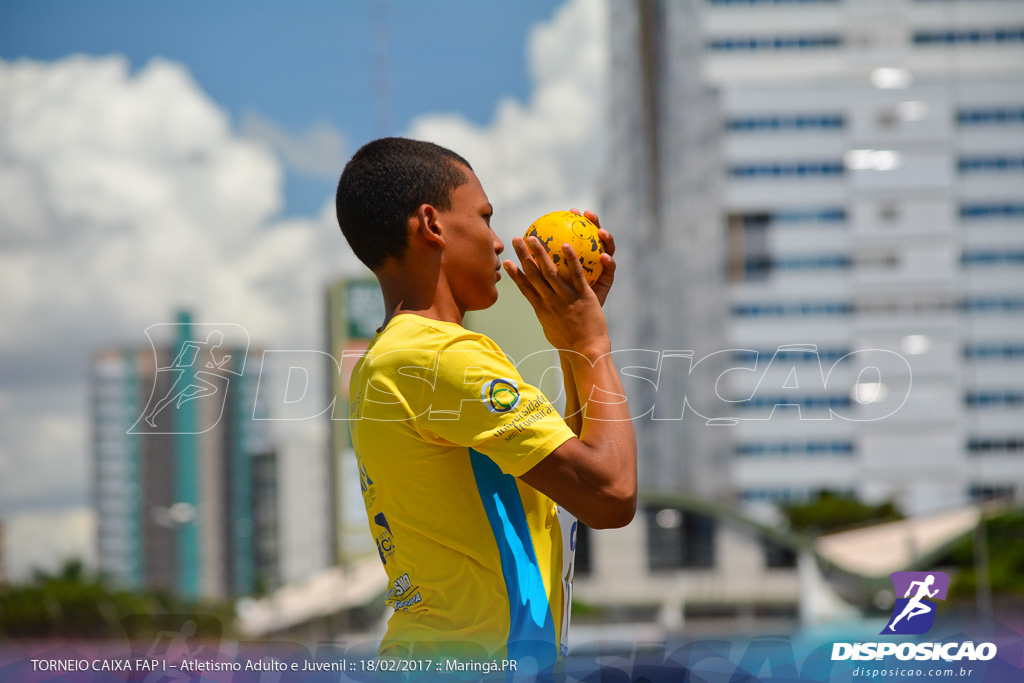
(197, 386)
(914, 613)
(201, 372)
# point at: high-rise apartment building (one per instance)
(184, 475)
(871, 205)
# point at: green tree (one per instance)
(1005, 541)
(829, 512)
(71, 603)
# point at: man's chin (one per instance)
(484, 304)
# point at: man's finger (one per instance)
(579, 280)
(530, 268)
(607, 240)
(522, 283)
(606, 237)
(605, 280)
(607, 268)
(546, 265)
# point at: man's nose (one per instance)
(499, 246)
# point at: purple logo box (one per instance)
(914, 610)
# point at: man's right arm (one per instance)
(592, 476)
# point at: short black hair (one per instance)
(383, 184)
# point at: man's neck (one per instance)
(428, 298)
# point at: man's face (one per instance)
(470, 257)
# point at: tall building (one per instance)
(183, 469)
(266, 536)
(355, 308)
(875, 176)
(662, 199)
(870, 208)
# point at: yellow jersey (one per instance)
(478, 562)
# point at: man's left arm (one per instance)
(573, 412)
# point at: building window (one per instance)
(911, 305)
(993, 304)
(748, 236)
(819, 262)
(992, 257)
(795, 448)
(969, 36)
(803, 402)
(792, 217)
(991, 164)
(802, 216)
(994, 351)
(829, 355)
(981, 493)
(775, 43)
(792, 308)
(991, 211)
(679, 540)
(698, 541)
(792, 122)
(1008, 446)
(1003, 116)
(777, 556)
(992, 399)
(808, 169)
(759, 266)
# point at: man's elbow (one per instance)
(616, 510)
(617, 499)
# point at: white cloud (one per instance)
(123, 197)
(320, 151)
(547, 154)
(44, 540)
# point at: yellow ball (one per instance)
(561, 227)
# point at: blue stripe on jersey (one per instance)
(531, 625)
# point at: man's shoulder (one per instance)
(431, 345)
(415, 333)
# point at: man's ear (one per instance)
(424, 225)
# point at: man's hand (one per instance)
(604, 282)
(592, 476)
(568, 310)
(539, 281)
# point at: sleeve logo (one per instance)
(500, 395)
(385, 541)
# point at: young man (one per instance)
(461, 461)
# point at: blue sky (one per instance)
(144, 153)
(305, 63)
